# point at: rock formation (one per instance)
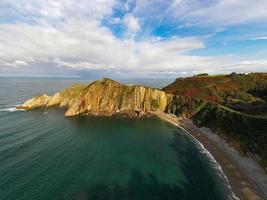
(108, 97)
(104, 97)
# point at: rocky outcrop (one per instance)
(104, 97)
(35, 102)
(60, 99)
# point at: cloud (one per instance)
(259, 38)
(115, 20)
(132, 25)
(16, 63)
(60, 9)
(92, 47)
(229, 12)
(79, 65)
(66, 36)
(20, 63)
(204, 13)
(93, 44)
(96, 48)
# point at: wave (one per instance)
(10, 109)
(215, 164)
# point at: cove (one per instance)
(44, 155)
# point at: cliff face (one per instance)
(183, 106)
(107, 97)
(104, 97)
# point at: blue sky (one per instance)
(132, 38)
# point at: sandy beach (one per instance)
(247, 179)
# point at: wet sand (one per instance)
(246, 178)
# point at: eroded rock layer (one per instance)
(104, 97)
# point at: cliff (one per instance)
(104, 97)
(107, 97)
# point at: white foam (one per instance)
(215, 164)
(10, 109)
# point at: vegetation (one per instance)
(260, 92)
(247, 133)
(204, 74)
(234, 106)
(185, 106)
(155, 103)
(237, 91)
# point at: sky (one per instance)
(132, 38)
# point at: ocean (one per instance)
(46, 156)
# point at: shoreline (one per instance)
(246, 178)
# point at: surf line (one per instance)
(10, 109)
(208, 154)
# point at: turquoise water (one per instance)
(45, 156)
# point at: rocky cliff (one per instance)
(104, 97)
(108, 97)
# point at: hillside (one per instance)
(245, 132)
(234, 106)
(242, 92)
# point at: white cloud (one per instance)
(20, 63)
(67, 35)
(259, 38)
(115, 20)
(224, 12)
(132, 25)
(16, 63)
(93, 44)
(79, 65)
(208, 13)
(49, 10)
(96, 48)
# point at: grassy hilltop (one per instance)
(243, 92)
(234, 106)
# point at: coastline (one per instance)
(246, 178)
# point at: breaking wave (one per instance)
(215, 164)
(10, 109)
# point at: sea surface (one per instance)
(46, 156)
